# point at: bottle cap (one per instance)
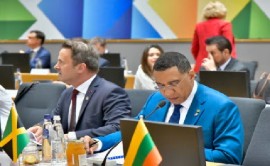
(56, 117)
(47, 116)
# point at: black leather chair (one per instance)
(113, 74)
(36, 99)
(250, 110)
(7, 76)
(258, 152)
(138, 98)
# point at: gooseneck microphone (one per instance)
(160, 105)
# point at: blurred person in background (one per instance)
(214, 24)
(144, 74)
(100, 45)
(40, 56)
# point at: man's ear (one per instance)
(192, 74)
(226, 51)
(82, 67)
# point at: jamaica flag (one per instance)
(15, 137)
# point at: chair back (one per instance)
(252, 67)
(113, 58)
(113, 74)
(258, 152)
(36, 99)
(250, 110)
(138, 98)
(7, 76)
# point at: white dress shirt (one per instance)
(143, 81)
(5, 107)
(186, 104)
(79, 101)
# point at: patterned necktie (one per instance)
(73, 110)
(176, 114)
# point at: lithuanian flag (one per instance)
(15, 137)
(142, 150)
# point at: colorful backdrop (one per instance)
(126, 19)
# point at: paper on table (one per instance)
(116, 154)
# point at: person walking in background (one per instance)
(40, 56)
(143, 77)
(214, 24)
(100, 45)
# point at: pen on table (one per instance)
(92, 144)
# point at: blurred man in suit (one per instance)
(100, 45)
(219, 56)
(191, 103)
(40, 56)
(92, 106)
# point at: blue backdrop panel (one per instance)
(107, 18)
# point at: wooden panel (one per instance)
(27, 77)
(129, 81)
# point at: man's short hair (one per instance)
(39, 35)
(83, 53)
(221, 42)
(97, 40)
(171, 59)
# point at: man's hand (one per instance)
(209, 63)
(90, 144)
(37, 131)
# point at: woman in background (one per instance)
(143, 77)
(214, 24)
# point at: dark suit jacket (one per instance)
(206, 29)
(44, 55)
(233, 65)
(104, 105)
(103, 62)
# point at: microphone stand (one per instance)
(107, 154)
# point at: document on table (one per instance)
(116, 154)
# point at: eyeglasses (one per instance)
(172, 85)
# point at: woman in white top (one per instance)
(5, 106)
(143, 77)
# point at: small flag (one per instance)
(142, 150)
(15, 137)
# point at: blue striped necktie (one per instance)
(176, 114)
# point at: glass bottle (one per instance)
(46, 144)
(58, 143)
(18, 78)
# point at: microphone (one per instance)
(160, 105)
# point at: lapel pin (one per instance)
(197, 112)
(86, 98)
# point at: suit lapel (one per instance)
(230, 65)
(65, 111)
(197, 107)
(89, 93)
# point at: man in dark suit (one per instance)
(100, 45)
(40, 56)
(98, 105)
(219, 56)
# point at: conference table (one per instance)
(5, 160)
(28, 77)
